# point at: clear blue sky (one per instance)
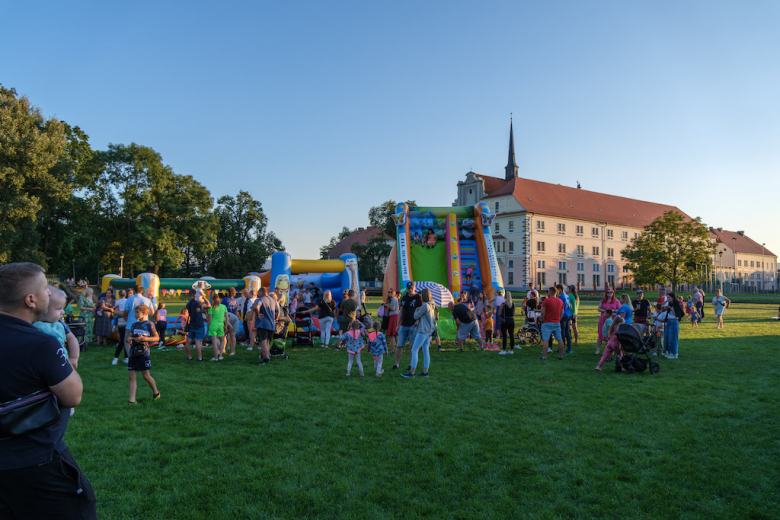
(324, 109)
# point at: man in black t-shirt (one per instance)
(196, 332)
(467, 324)
(38, 476)
(408, 328)
(641, 307)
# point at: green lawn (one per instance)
(486, 436)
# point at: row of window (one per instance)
(578, 230)
(753, 263)
(541, 279)
(542, 264)
(542, 246)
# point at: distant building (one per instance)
(744, 265)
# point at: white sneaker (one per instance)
(502, 353)
(250, 348)
(115, 361)
(512, 352)
(220, 358)
(214, 359)
(655, 353)
(549, 350)
(124, 361)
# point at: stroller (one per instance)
(79, 329)
(282, 326)
(530, 333)
(303, 331)
(635, 342)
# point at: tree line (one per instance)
(75, 210)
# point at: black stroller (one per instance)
(635, 342)
(280, 334)
(303, 330)
(79, 329)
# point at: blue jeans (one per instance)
(672, 336)
(566, 331)
(424, 341)
(406, 333)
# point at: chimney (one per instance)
(741, 233)
(719, 229)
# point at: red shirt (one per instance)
(553, 309)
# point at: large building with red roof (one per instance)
(548, 233)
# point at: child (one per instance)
(69, 307)
(430, 238)
(487, 322)
(613, 345)
(161, 323)
(378, 348)
(142, 334)
(695, 318)
(417, 239)
(51, 323)
(435, 334)
(353, 339)
(659, 319)
(607, 324)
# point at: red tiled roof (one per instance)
(499, 237)
(743, 244)
(555, 200)
(491, 184)
(359, 236)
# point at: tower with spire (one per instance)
(511, 165)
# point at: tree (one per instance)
(670, 250)
(372, 258)
(243, 244)
(344, 233)
(382, 216)
(30, 146)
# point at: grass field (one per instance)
(486, 436)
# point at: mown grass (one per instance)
(486, 436)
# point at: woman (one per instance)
(426, 319)
(87, 308)
(721, 303)
(609, 302)
(699, 303)
(105, 313)
(507, 313)
(218, 326)
(482, 304)
(231, 304)
(672, 326)
(326, 309)
(626, 310)
(392, 322)
(574, 298)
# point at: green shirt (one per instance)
(574, 304)
(217, 326)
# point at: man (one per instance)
(552, 310)
(197, 327)
(250, 296)
(467, 324)
(265, 312)
(132, 302)
(408, 329)
(39, 478)
(698, 302)
(345, 314)
(565, 317)
(641, 307)
(530, 291)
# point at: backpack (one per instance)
(381, 312)
(677, 308)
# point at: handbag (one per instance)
(28, 413)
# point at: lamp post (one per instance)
(763, 246)
(734, 248)
(720, 254)
(121, 264)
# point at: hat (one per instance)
(409, 285)
(638, 291)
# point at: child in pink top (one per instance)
(613, 345)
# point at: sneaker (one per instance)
(511, 352)
(395, 367)
(570, 351)
(347, 374)
(598, 369)
(115, 361)
(502, 353)
(423, 374)
(132, 402)
(213, 359)
(655, 353)
(201, 360)
(381, 372)
(265, 362)
(543, 358)
(518, 347)
(407, 375)
(560, 358)
(220, 358)
(156, 396)
(549, 350)
(249, 348)
(362, 374)
(124, 361)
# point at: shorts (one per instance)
(233, 319)
(265, 334)
(217, 331)
(640, 319)
(435, 334)
(140, 363)
(551, 329)
(196, 334)
(344, 325)
(406, 333)
(467, 329)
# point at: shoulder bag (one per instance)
(28, 413)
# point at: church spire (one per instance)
(511, 165)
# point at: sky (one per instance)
(322, 110)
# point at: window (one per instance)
(541, 279)
(580, 250)
(594, 231)
(611, 280)
(625, 268)
(511, 278)
(636, 235)
(580, 266)
(496, 206)
(562, 278)
(511, 247)
(610, 234)
(581, 279)
(596, 281)
(561, 248)
(596, 268)
(610, 252)
(540, 246)
(541, 264)
(498, 228)
(751, 263)
(511, 225)
(540, 226)
(624, 235)
(610, 268)
(596, 251)
(471, 191)
(561, 229)
(580, 230)
(562, 265)
(511, 263)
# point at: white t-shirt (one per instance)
(528, 294)
(121, 304)
(500, 301)
(657, 317)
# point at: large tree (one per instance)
(382, 216)
(243, 241)
(670, 250)
(372, 258)
(30, 147)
